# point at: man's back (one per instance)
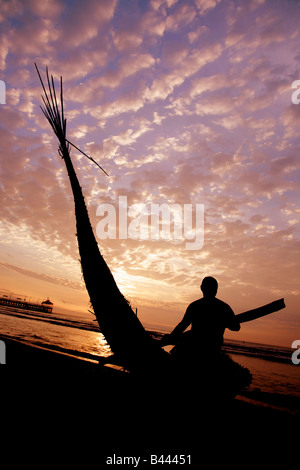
(209, 318)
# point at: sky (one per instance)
(181, 102)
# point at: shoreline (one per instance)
(133, 416)
(20, 353)
(47, 358)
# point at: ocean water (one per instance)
(275, 379)
(62, 332)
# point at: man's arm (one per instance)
(185, 322)
(233, 324)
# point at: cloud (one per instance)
(80, 25)
(174, 52)
(40, 37)
(268, 27)
(184, 102)
(4, 48)
(205, 5)
(130, 136)
(152, 24)
(163, 86)
(156, 4)
(45, 277)
(197, 33)
(130, 101)
(124, 40)
(127, 67)
(182, 16)
(291, 121)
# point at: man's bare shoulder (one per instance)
(196, 303)
(220, 304)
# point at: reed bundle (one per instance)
(122, 329)
(55, 116)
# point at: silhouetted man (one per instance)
(209, 318)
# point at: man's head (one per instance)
(209, 286)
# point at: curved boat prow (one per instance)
(122, 329)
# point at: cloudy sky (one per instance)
(181, 102)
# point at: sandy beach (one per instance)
(137, 416)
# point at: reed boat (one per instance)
(136, 350)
